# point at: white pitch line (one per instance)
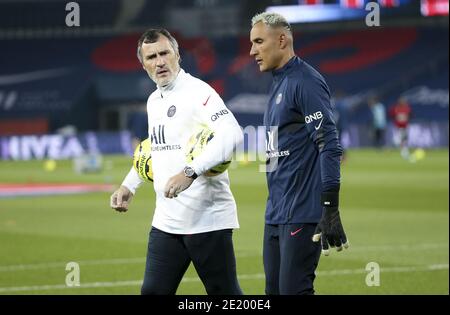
(138, 260)
(130, 283)
(257, 276)
(114, 261)
(423, 246)
(340, 272)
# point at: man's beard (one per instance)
(170, 80)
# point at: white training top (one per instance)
(174, 113)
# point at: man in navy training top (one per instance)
(303, 145)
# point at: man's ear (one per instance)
(283, 40)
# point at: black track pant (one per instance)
(169, 256)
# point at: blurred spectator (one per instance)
(401, 114)
(378, 121)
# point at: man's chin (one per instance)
(163, 83)
(263, 68)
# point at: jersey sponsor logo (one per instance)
(157, 136)
(272, 145)
(269, 143)
(171, 111)
(277, 154)
(158, 140)
(317, 116)
(219, 114)
(168, 147)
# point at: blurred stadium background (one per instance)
(72, 107)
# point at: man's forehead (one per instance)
(259, 27)
(161, 44)
(261, 30)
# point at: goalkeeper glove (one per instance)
(330, 230)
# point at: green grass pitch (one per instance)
(395, 213)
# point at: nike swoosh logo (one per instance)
(32, 76)
(206, 102)
(318, 126)
(295, 232)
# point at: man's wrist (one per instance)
(330, 199)
(125, 187)
(190, 172)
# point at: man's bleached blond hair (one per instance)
(272, 19)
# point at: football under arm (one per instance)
(132, 181)
(227, 135)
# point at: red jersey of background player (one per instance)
(400, 112)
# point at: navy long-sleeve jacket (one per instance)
(303, 149)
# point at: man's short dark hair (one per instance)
(151, 36)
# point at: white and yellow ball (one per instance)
(197, 143)
(142, 160)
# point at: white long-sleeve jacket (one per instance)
(174, 113)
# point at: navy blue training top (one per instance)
(302, 145)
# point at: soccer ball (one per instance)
(50, 165)
(419, 154)
(142, 160)
(197, 143)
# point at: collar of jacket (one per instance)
(278, 74)
(166, 89)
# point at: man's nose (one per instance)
(160, 61)
(252, 51)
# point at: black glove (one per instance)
(330, 230)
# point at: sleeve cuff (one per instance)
(132, 181)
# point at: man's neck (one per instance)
(285, 60)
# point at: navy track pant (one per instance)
(290, 258)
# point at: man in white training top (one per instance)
(194, 215)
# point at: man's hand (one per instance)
(330, 231)
(177, 184)
(121, 199)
